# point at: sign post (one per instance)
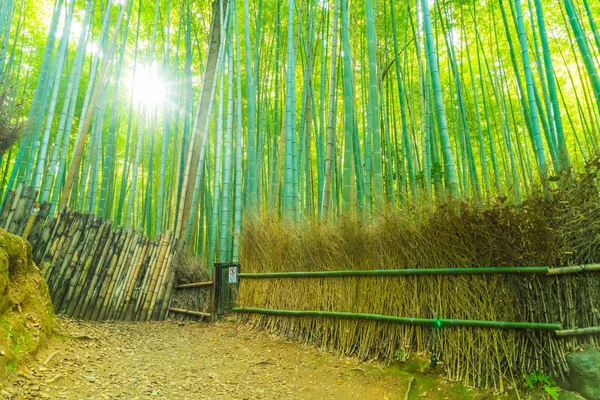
(232, 274)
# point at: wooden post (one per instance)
(215, 294)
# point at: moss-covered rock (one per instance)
(26, 314)
(584, 372)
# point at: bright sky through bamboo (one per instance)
(147, 86)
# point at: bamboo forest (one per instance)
(409, 182)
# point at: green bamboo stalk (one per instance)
(440, 111)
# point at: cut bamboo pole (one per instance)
(48, 234)
(194, 313)
(88, 275)
(396, 272)
(6, 207)
(165, 280)
(141, 284)
(428, 271)
(35, 230)
(162, 267)
(13, 207)
(70, 258)
(194, 285)
(166, 301)
(131, 259)
(21, 211)
(594, 330)
(403, 320)
(152, 291)
(64, 227)
(114, 273)
(152, 271)
(33, 215)
(137, 258)
(42, 243)
(574, 269)
(116, 292)
(126, 272)
(76, 274)
(98, 257)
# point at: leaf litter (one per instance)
(192, 360)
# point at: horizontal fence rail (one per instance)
(428, 271)
(435, 322)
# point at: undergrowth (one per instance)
(554, 228)
(189, 269)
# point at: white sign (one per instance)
(232, 274)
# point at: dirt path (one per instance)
(168, 360)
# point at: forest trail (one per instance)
(171, 360)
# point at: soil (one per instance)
(190, 360)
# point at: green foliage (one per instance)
(11, 123)
(539, 380)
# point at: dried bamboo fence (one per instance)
(94, 271)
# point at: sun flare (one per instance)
(147, 87)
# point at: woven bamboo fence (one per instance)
(94, 271)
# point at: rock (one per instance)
(584, 373)
(26, 313)
(564, 395)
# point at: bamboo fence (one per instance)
(94, 271)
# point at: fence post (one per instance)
(214, 294)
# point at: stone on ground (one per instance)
(584, 373)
